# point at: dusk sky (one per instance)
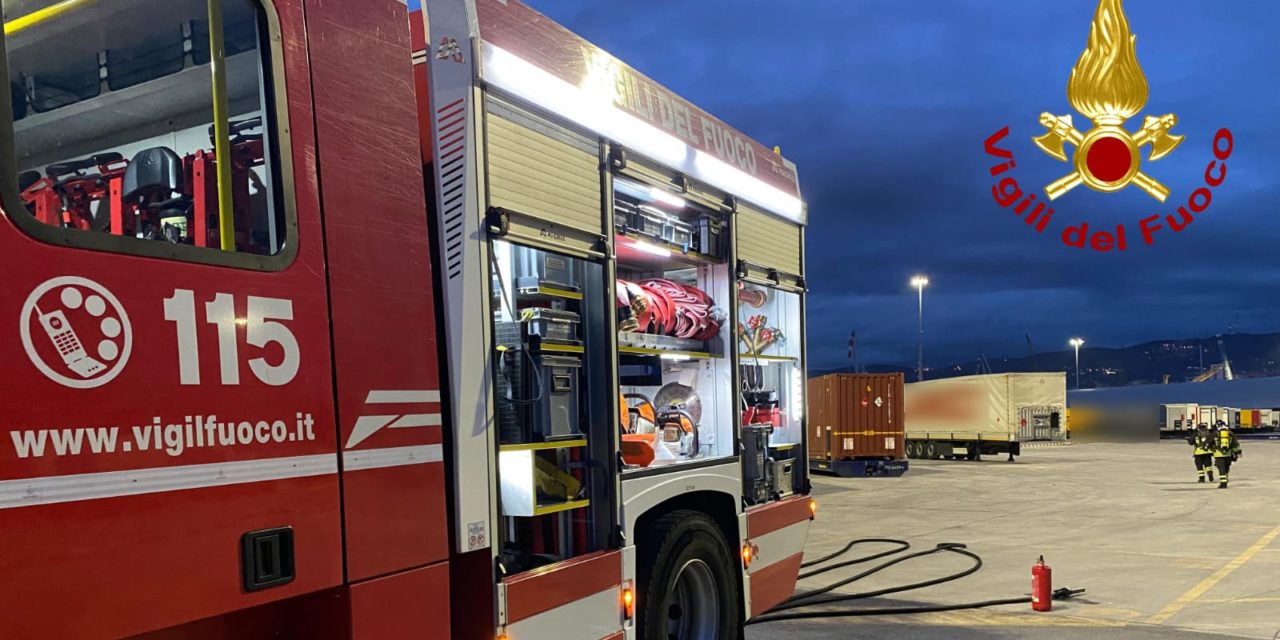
(884, 106)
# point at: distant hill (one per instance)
(1251, 356)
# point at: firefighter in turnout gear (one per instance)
(1226, 449)
(1202, 440)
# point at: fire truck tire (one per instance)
(687, 570)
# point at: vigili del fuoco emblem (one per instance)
(1108, 87)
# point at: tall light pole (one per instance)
(919, 282)
(1076, 342)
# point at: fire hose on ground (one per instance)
(800, 606)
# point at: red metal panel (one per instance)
(95, 566)
(856, 416)
(178, 561)
(546, 588)
(774, 583)
(323, 615)
(413, 604)
(777, 515)
(474, 602)
(384, 330)
(417, 30)
(377, 524)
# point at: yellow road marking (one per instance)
(1241, 600)
(1218, 576)
(993, 618)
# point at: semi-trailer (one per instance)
(967, 417)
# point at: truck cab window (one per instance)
(114, 110)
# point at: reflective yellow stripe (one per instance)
(40, 15)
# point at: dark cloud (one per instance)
(884, 106)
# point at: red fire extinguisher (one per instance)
(1041, 586)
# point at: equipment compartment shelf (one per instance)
(645, 351)
(652, 344)
(551, 347)
(643, 252)
(545, 508)
(519, 474)
(545, 292)
(544, 446)
(748, 357)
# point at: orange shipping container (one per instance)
(856, 416)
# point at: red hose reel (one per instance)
(669, 308)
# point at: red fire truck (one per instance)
(339, 319)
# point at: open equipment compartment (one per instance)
(768, 329)
(673, 288)
(770, 334)
(547, 314)
(551, 346)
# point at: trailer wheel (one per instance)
(688, 585)
(931, 450)
(910, 448)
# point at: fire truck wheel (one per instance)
(688, 585)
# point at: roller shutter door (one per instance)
(542, 170)
(768, 241)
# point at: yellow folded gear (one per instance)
(554, 482)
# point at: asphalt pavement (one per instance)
(1161, 556)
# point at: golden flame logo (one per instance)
(1107, 86)
(1107, 83)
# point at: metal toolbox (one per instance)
(624, 210)
(648, 221)
(709, 237)
(552, 324)
(782, 478)
(657, 224)
(755, 462)
(538, 397)
(535, 268)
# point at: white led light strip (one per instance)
(506, 71)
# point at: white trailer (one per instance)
(1208, 414)
(986, 414)
(1177, 419)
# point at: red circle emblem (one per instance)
(1108, 159)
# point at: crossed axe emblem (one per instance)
(1107, 157)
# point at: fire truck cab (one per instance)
(338, 319)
